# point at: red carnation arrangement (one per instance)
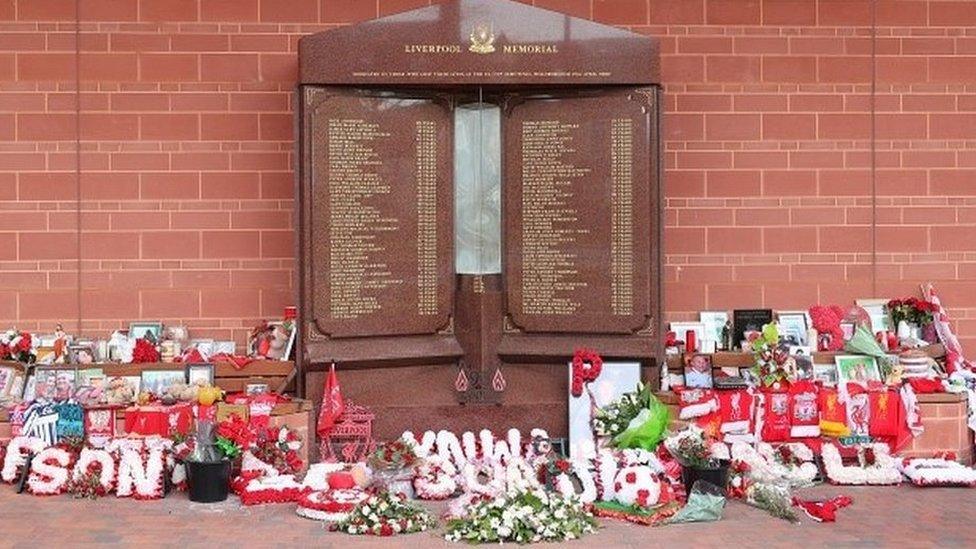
(144, 352)
(912, 310)
(234, 435)
(587, 366)
(17, 346)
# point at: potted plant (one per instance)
(208, 466)
(392, 464)
(701, 457)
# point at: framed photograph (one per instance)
(7, 375)
(615, 379)
(857, 369)
(681, 328)
(255, 389)
(714, 322)
(17, 386)
(146, 330)
(698, 371)
(804, 366)
(54, 383)
(200, 372)
(793, 327)
(81, 353)
(157, 381)
(85, 376)
(30, 387)
(748, 320)
(826, 374)
(877, 309)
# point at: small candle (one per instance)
(690, 343)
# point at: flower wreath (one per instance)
(937, 472)
(587, 366)
(792, 463)
(276, 489)
(493, 472)
(876, 466)
(49, 472)
(94, 462)
(141, 472)
(386, 514)
(581, 471)
(16, 456)
(434, 479)
(329, 505)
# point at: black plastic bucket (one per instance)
(208, 481)
(718, 476)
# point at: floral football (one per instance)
(637, 485)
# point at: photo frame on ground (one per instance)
(616, 378)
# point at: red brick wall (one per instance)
(817, 150)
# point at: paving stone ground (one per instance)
(892, 516)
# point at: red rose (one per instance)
(386, 529)
(631, 477)
(563, 465)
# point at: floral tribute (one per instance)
(937, 471)
(17, 346)
(522, 516)
(399, 454)
(93, 475)
(234, 435)
(790, 464)
(912, 310)
(49, 473)
(386, 514)
(587, 366)
(434, 479)
(144, 352)
(278, 447)
(691, 447)
(635, 420)
(875, 466)
(773, 365)
(330, 505)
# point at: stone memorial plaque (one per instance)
(381, 213)
(579, 231)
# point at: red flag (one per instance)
(332, 403)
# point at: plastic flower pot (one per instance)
(718, 476)
(208, 482)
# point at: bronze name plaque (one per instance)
(381, 213)
(579, 234)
